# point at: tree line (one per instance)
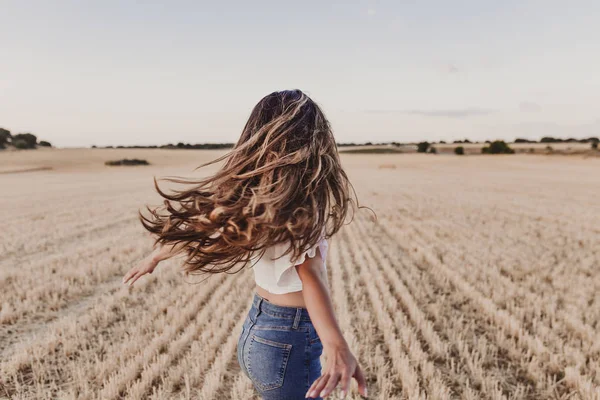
(180, 145)
(30, 141)
(20, 140)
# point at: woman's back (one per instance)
(276, 277)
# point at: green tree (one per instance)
(422, 147)
(5, 137)
(29, 139)
(20, 144)
(497, 147)
(45, 143)
(459, 150)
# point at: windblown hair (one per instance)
(281, 183)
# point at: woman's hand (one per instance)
(146, 266)
(340, 369)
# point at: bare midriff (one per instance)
(293, 299)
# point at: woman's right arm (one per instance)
(341, 364)
(150, 262)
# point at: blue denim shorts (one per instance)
(279, 350)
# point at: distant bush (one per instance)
(45, 143)
(549, 149)
(550, 139)
(126, 161)
(432, 150)
(594, 145)
(5, 137)
(20, 144)
(376, 150)
(29, 139)
(497, 147)
(520, 140)
(422, 147)
(459, 151)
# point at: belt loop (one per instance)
(297, 319)
(258, 309)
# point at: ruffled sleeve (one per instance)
(285, 271)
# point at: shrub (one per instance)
(20, 144)
(550, 139)
(549, 149)
(376, 150)
(422, 147)
(45, 143)
(29, 140)
(459, 150)
(521, 140)
(5, 137)
(594, 145)
(126, 161)
(432, 150)
(497, 147)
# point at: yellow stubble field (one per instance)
(479, 279)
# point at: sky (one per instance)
(78, 73)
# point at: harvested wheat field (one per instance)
(479, 279)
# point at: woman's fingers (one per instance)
(137, 274)
(136, 277)
(317, 386)
(129, 275)
(360, 379)
(331, 384)
(344, 385)
(311, 390)
(133, 278)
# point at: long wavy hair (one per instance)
(281, 183)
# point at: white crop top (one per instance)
(280, 276)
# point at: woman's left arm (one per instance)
(341, 366)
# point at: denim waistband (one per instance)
(263, 305)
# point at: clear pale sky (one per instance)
(79, 73)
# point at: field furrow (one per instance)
(477, 280)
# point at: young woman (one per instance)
(280, 194)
